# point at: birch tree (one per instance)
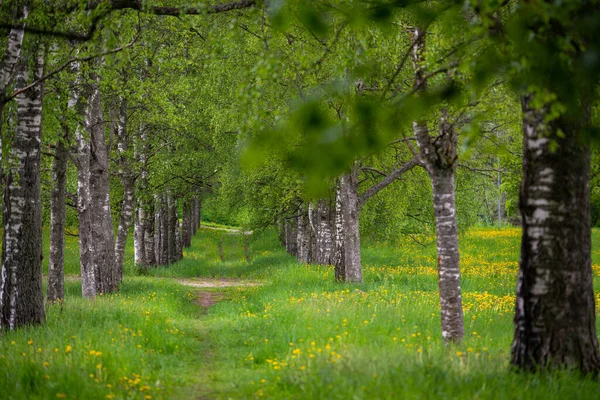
(56, 264)
(555, 316)
(438, 155)
(126, 174)
(21, 296)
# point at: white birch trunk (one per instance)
(21, 296)
(350, 210)
(439, 157)
(102, 226)
(324, 234)
(128, 182)
(555, 318)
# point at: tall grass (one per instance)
(299, 336)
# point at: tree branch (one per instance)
(392, 176)
(62, 68)
(115, 5)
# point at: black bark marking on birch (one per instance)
(21, 297)
(555, 318)
(438, 155)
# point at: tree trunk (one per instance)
(56, 264)
(187, 224)
(448, 258)
(555, 319)
(195, 216)
(350, 211)
(439, 156)
(86, 247)
(7, 64)
(324, 236)
(339, 251)
(148, 236)
(163, 225)
(103, 237)
(128, 181)
(21, 296)
(178, 239)
(139, 243)
(291, 238)
(313, 233)
(172, 227)
(158, 236)
(303, 231)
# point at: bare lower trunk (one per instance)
(555, 320)
(158, 239)
(187, 225)
(172, 228)
(324, 235)
(448, 259)
(107, 278)
(149, 238)
(21, 296)
(193, 217)
(350, 211)
(303, 231)
(291, 238)
(178, 239)
(128, 181)
(163, 229)
(56, 264)
(124, 225)
(86, 248)
(198, 215)
(339, 251)
(139, 244)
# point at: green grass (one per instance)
(147, 336)
(300, 335)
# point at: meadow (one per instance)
(298, 335)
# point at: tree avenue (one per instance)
(342, 127)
